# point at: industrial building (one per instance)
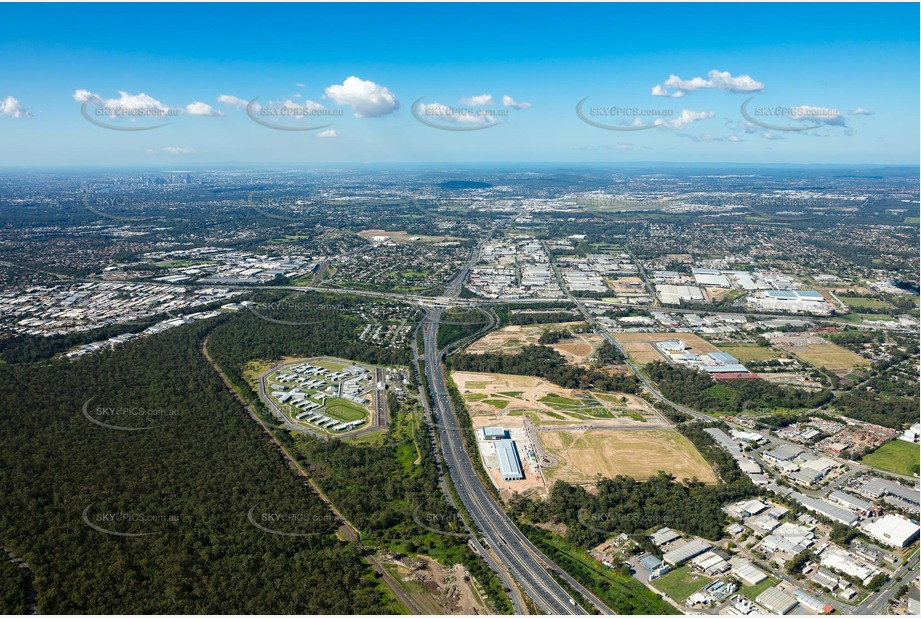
(684, 553)
(493, 433)
(776, 600)
(893, 530)
(664, 535)
(826, 509)
(509, 464)
(746, 572)
(851, 502)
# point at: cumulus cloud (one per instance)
(173, 150)
(367, 99)
(860, 111)
(125, 103)
(327, 133)
(508, 101)
(770, 136)
(478, 100)
(674, 86)
(685, 118)
(733, 138)
(229, 99)
(11, 107)
(201, 109)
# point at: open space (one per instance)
(681, 583)
(547, 404)
(583, 454)
(819, 352)
(750, 352)
(896, 456)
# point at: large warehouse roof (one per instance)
(508, 460)
(893, 530)
(685, 552)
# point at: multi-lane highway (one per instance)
(517, 554)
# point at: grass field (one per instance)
(819, 352)
(343, 409)
(640, 454)
(864, 302)
(750, 352)
(897, 456)
(681, 583)
(752, 592)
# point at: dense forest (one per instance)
(877, 408)
(696, 389)
(547, 363)
(189, 483)
(14, 588)
(392, 490)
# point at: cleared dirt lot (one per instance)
(510, 339)
(583, 454)
(546, 404)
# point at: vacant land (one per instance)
(584, 454)
(751, 352)
(510, 339)
(864, 302)
(579, 348)
(897, 456)
(438, 589)
(681, 583)
(547, 404)
(819, 352)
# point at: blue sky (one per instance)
(825, 83)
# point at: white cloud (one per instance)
(301, 85)
(201, 109)
(12, 108)
(367, 99)
(860, 111)
(508, 101)
(685, 118)
(478, 100)
(124, 103)
(173, 150)
(716, 80)
(327, 133)
(229, 99)
(660, 91)
(623, 145)
(770, 136)
(733, 138)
